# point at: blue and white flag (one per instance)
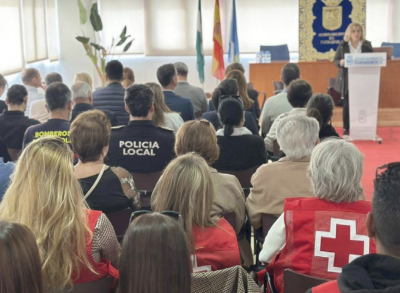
(233, 38)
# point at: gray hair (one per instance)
(80, 90)
(181, 68)
(336, 168)
(297, 135)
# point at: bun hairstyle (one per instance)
(230, 112)
(320, 107)
(227, 87)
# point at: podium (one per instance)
(364, 71)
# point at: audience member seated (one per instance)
(58, 102)
(128, 77)
(186, 187)
(376, 272)
(298, 93)
(253, 94)
(228, 87)
(167, 77)
(155, 256)
(279, 103)
(320, 106)
(239, 148)
(82, 99)
(76, 245)
(38, 108)
(3, 85)
(13, 122)
(163, 116)
(274, 182)
(184, 89)
(141, 147)
(6, 169)
(112, 96)
(84, 77)
(106, 189)
(20, 260)
(318, 236)
(4, 152)
(32, 80)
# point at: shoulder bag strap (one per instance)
(95, 183)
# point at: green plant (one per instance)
(94, 49)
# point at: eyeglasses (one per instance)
(385, 167)
(175, 215)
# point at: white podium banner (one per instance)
(364, 80)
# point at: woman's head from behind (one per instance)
(90, 135)
(45, 196)
(241, 79)
(19, 259)
(231, 114)
(227, 87)
(197, 136)
(186, 188)
(155, 256)
(83, 76)
(336, 169)
(3, 84)
(159, 104)
(320, 106)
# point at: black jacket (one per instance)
(249, 120)
(83, 107)
(179, 104)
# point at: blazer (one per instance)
(342, 79)
(179, 104)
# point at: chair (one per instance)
(120, 222)
(244, 178)
(267, 221)
(264, 100)
(396, 48)
(336, 96)
(278, 53)
(299, 283)
(278, 87)
(99, 286)
(145, 183)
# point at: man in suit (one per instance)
(82, 98)
(168, 78)
(112, 96)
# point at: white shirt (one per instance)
(173, 121)
(355, 50)
(236, 131)
(33, 95)
(274, 242)
(39, 111)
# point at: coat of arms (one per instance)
(332, 14)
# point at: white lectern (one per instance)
(364, 79)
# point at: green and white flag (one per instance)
(199, 45)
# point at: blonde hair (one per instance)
(186, 187)
(83, 76)
(241, 79)
(347, 34)
(45, 196)
(197, 136)
(159, 104)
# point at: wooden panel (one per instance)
(317, 74)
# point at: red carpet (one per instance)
(378, 154)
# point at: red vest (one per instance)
(321, 237)
(216, 247)
(103, 268)
(329, 287)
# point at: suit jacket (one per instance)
(112, 98)
(342, 79)
(179, 104)
(83, 107)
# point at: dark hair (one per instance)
(89, 134)
(298, 93)
(385, 209)
(57, 96)
(227, 87)
(139, 98)
(320, 106)
(114, 70)
(19, 259)
(230, 111)
(165, 74)
(289, 73)
(53, 77)
(234, 66)
(3, 81)
(16, 94)
(28, 74)
(155, 256)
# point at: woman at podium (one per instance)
(354, 43)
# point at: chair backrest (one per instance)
(120, 222)
(100, 286)
(267, 221)
(278, 87)
(264, 99)
(332, 92)
(396, 48)
(244, 177)
(278, 53)
(296, 282)
(231, 218)
(145, 183)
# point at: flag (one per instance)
(233, 38)
(199, 45)
(218, 68)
